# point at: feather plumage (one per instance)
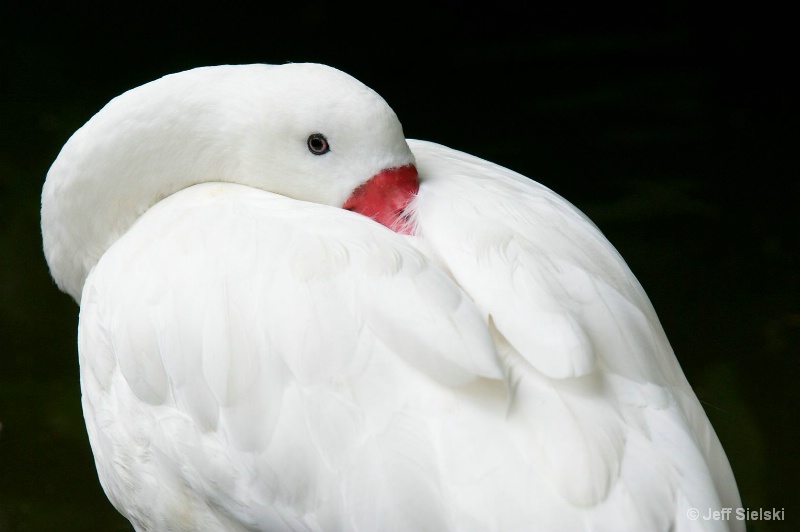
(253, 357)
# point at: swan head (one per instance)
(306, 131)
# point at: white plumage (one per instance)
(255, 357)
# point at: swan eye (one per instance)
(318, 144)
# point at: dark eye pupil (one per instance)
(318, 144)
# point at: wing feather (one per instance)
(257, 350)
(590, 371)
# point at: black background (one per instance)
(673, 126)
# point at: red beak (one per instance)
(385, 197)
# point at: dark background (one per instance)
(673, 126)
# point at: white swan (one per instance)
(255, 357)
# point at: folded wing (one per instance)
(257, 354)
(598, 400)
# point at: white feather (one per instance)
(255, 358)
